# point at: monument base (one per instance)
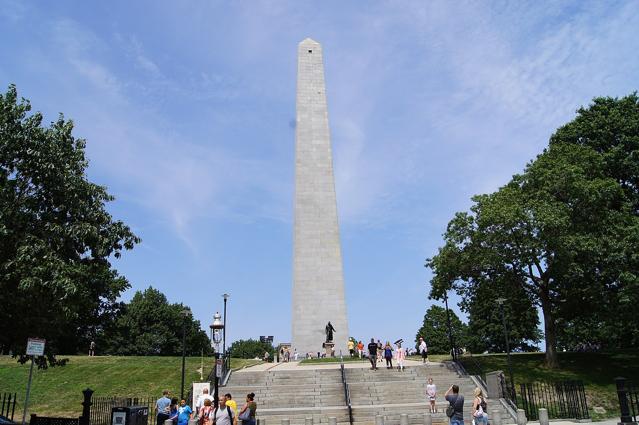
(329, 349)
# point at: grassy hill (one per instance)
(596, 370)
(58, 391)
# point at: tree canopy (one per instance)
(149, 326)
(57, 237)
(250, 349)
(563, 234)
(434, 330)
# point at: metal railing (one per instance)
(562, 399)
(628, 394)
(8, 407)
(507, 390)
(347, 392)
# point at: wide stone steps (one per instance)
(319, 394)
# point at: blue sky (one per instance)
(188, 111)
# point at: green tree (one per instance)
(149, 326)
(434, 330)
(485, 326)
(561, 230)
(56, 237)
(250, 349)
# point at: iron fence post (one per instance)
(624, 407)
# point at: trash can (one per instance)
(130, 415)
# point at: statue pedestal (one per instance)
(329, 348)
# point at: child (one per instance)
(184, 413)
(431, 392)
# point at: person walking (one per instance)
(223, 414)
(401, 355)
(351, 347)
(92, 349)
(184, 413)
(231, 403)
(372, 353)
(431, 393)
(456, 405)
(388, 355)
(251, 408)
(162, 406)
(360, 349)
(423, 349)
(480, 410)
(199, 404)
(380, 349)
(204, 412)
(173, 410)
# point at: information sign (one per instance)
(35, 347)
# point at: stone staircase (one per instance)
(318, 393)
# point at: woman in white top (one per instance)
(431, 392)
(480, 415)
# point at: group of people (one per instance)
(378, 352)
(455, 409)
(226, 412)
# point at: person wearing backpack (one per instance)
(204, 413)
(455, 409)
(480, 410)
(223, 414)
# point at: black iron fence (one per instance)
(628, 394)
(562, 399)
(8, 407)
(101, 408)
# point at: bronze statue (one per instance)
(329, 332)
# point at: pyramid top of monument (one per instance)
(309, 41)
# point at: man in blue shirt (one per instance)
(162, 406)
(184, 413)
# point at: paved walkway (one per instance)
(311, 366)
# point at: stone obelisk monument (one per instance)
(318, 281)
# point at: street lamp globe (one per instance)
(216, 327)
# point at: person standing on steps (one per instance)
(372, 353)
(431, 393)
(223, 414)
(456, 405)
(388, 355)
(401, 355)
(380, 348)
(423, 349)
(162, 406)
(251, 406)
(480, 414)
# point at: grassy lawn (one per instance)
(596, 370)
(58, 391)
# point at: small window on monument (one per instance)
(310, 51)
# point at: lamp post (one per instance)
(226, 297)
(185, 315)
(501, 302)
(216, 338)
(450, 329)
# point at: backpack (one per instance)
(228, 411)
(450, 410)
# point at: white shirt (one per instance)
(201, 398)
(222, 416)
(422, 347)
